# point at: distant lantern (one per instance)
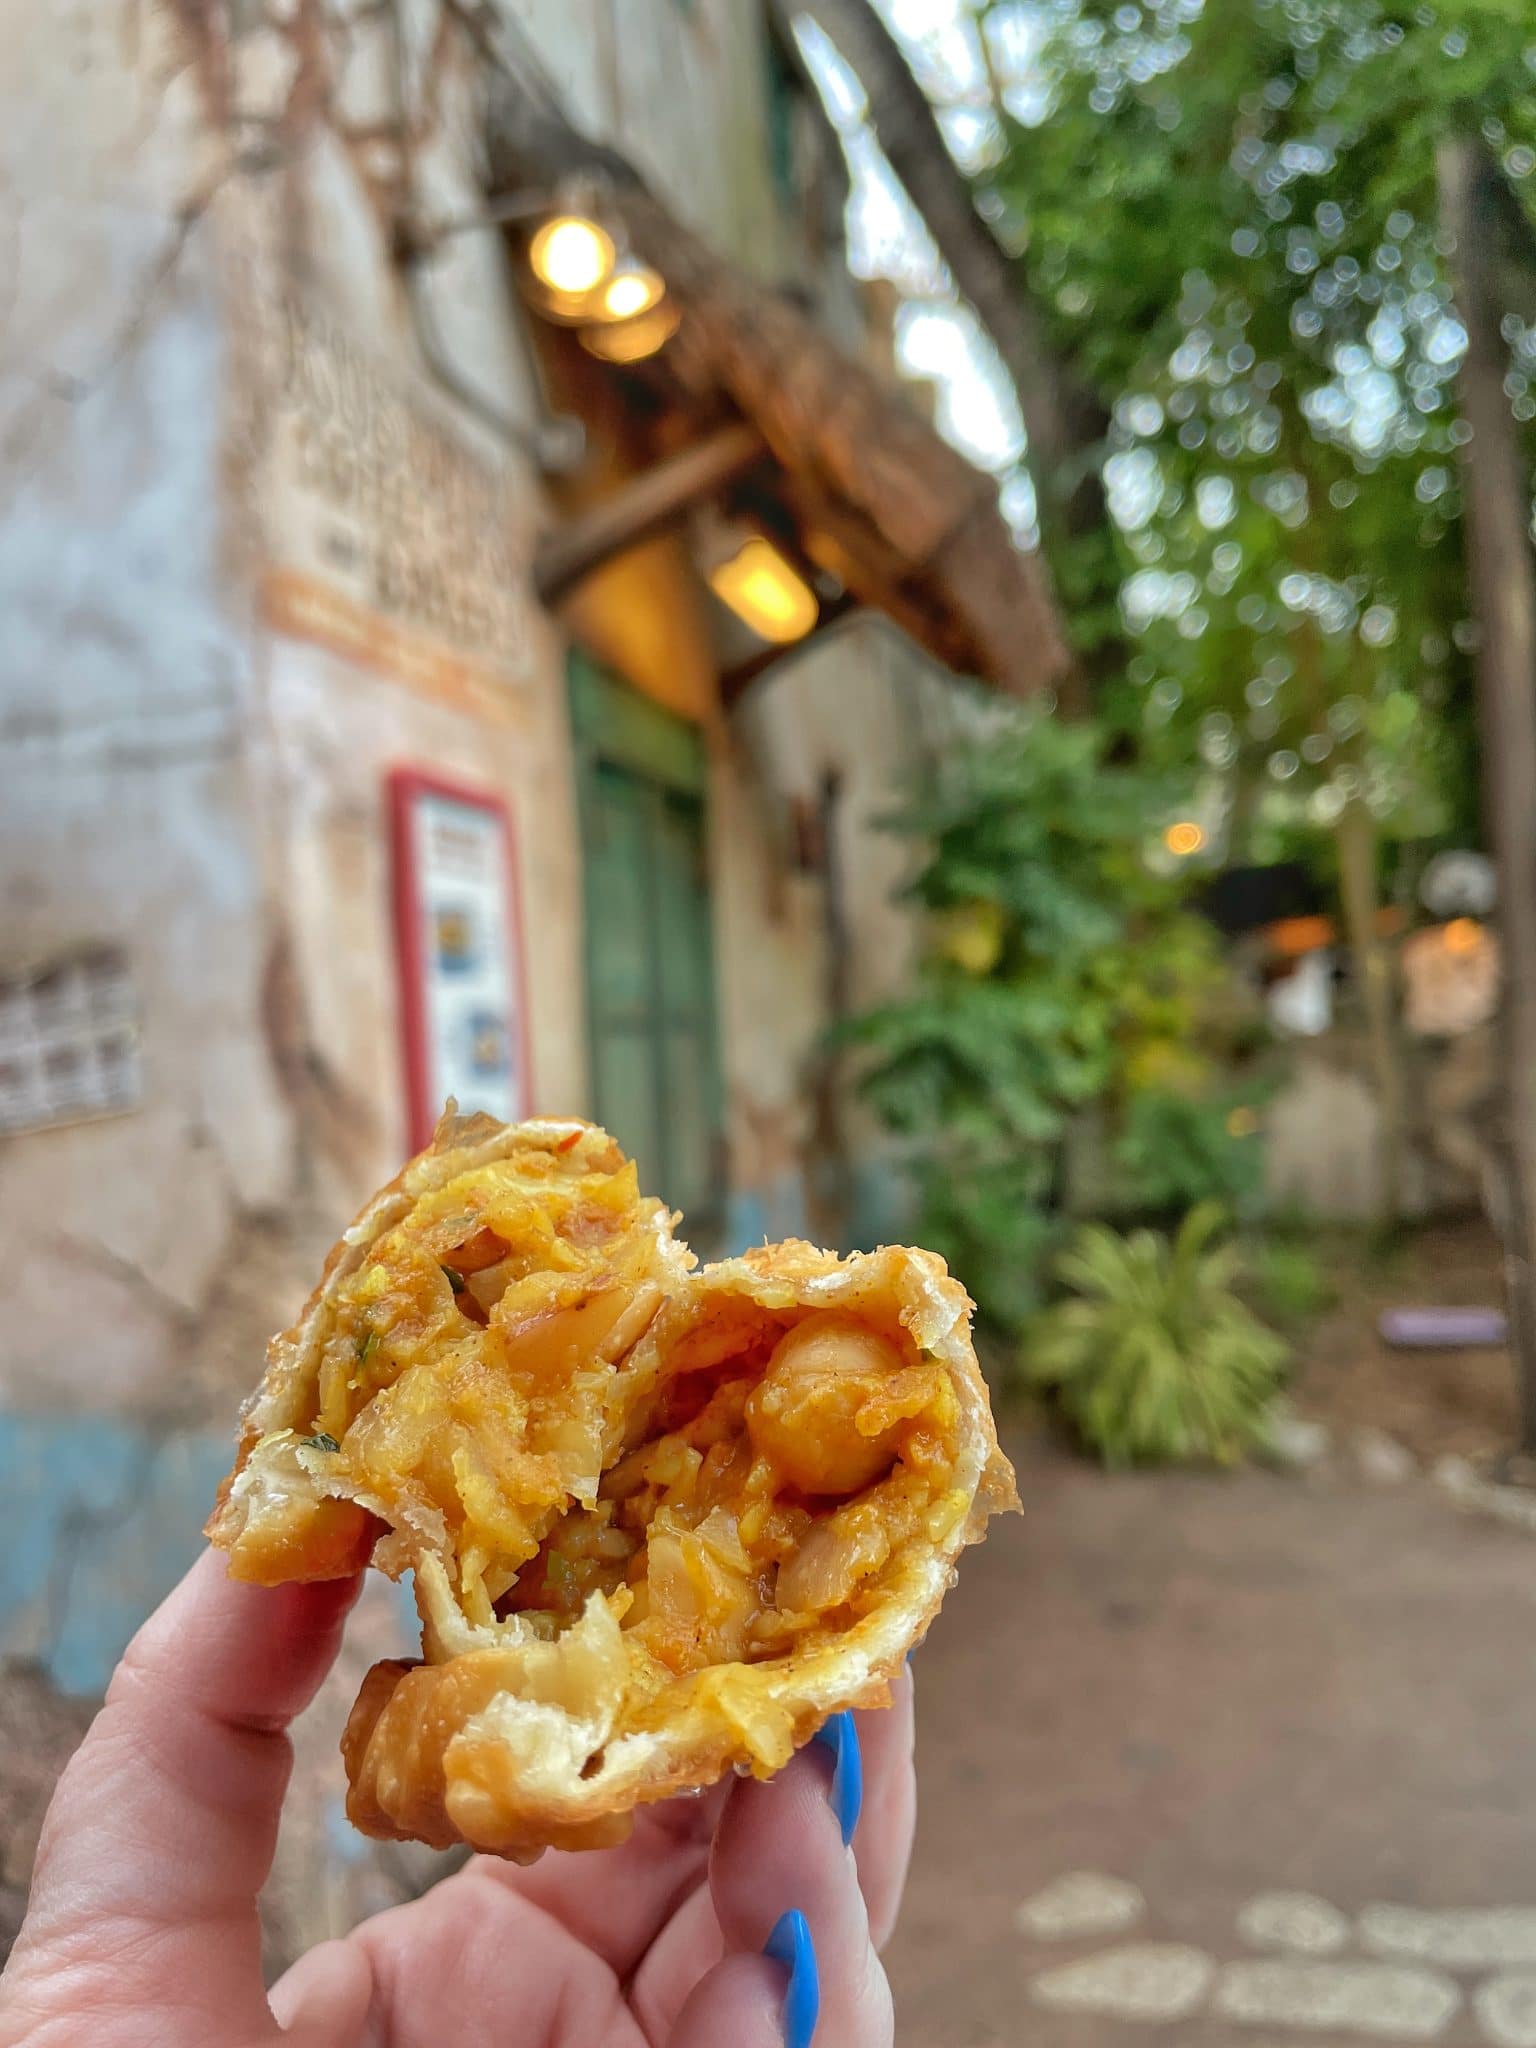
(571, 255)
(1184, 838)
(1451, 978)
(764, 591)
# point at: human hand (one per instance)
(143, 1928)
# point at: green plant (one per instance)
(992, 1228)
(1289, 1282)
(1062, 969)
(1175, 1150)
(1154, 1358)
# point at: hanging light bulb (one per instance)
(635, 289)
(764, 591)
(571, 255)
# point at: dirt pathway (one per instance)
(1213, 1690)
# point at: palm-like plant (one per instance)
(1153, 1358)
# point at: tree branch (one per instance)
(1064, 421)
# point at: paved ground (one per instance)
(1188, 1695)
(1213, 1690)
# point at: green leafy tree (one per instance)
(1233, 333)
(1062, 970)
(1229, 217)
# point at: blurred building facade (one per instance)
(272, 500)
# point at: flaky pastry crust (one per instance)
(663, 1520)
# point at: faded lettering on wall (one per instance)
(384, 532)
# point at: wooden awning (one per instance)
(878, 500)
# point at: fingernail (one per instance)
(842, 1738)
(790, 1944)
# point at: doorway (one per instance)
(651, 1018)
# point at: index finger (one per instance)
(162, 1828)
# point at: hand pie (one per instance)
(663, 1519)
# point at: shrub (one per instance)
(1062, 969)
(1154, 1358)
(1177, 1150)
(1289, 1282)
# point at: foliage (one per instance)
(1288, 1281)
(1063, 970)
(1228, 216)
(990, 1221)
(1154, 1358)
(1177, 1150)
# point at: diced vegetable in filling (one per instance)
(759, 1486)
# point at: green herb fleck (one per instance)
(366, 1346)
(320, 1441)
(454, 1278)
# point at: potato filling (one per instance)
(777, 1484)
(480, 1387)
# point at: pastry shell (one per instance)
(513, 1740)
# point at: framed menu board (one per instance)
(458, 936)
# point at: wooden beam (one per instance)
(836, 429)
(645, 506)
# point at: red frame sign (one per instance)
(459, 950)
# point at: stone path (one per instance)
(1227, 1761)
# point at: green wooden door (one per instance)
(650, 973)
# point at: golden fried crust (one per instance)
(527, 1728)
(276, 1512)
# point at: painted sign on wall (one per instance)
(389, 534)
(459, 937)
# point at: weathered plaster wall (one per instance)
(125, 695)
(317, 234)
(126, 702)
(844, 709)
(679, 86)
(191, 774)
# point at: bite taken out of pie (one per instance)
(663, 1518)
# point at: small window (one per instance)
(69, 1042)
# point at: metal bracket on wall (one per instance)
(555, 441)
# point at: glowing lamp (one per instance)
(763, 590)
(571, 255)
(1184, 838)
(629, 292)
(630, 341)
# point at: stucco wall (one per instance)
(125, 699)
(206, 320)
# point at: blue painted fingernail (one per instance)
(790, 1944)
(842, 1738)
